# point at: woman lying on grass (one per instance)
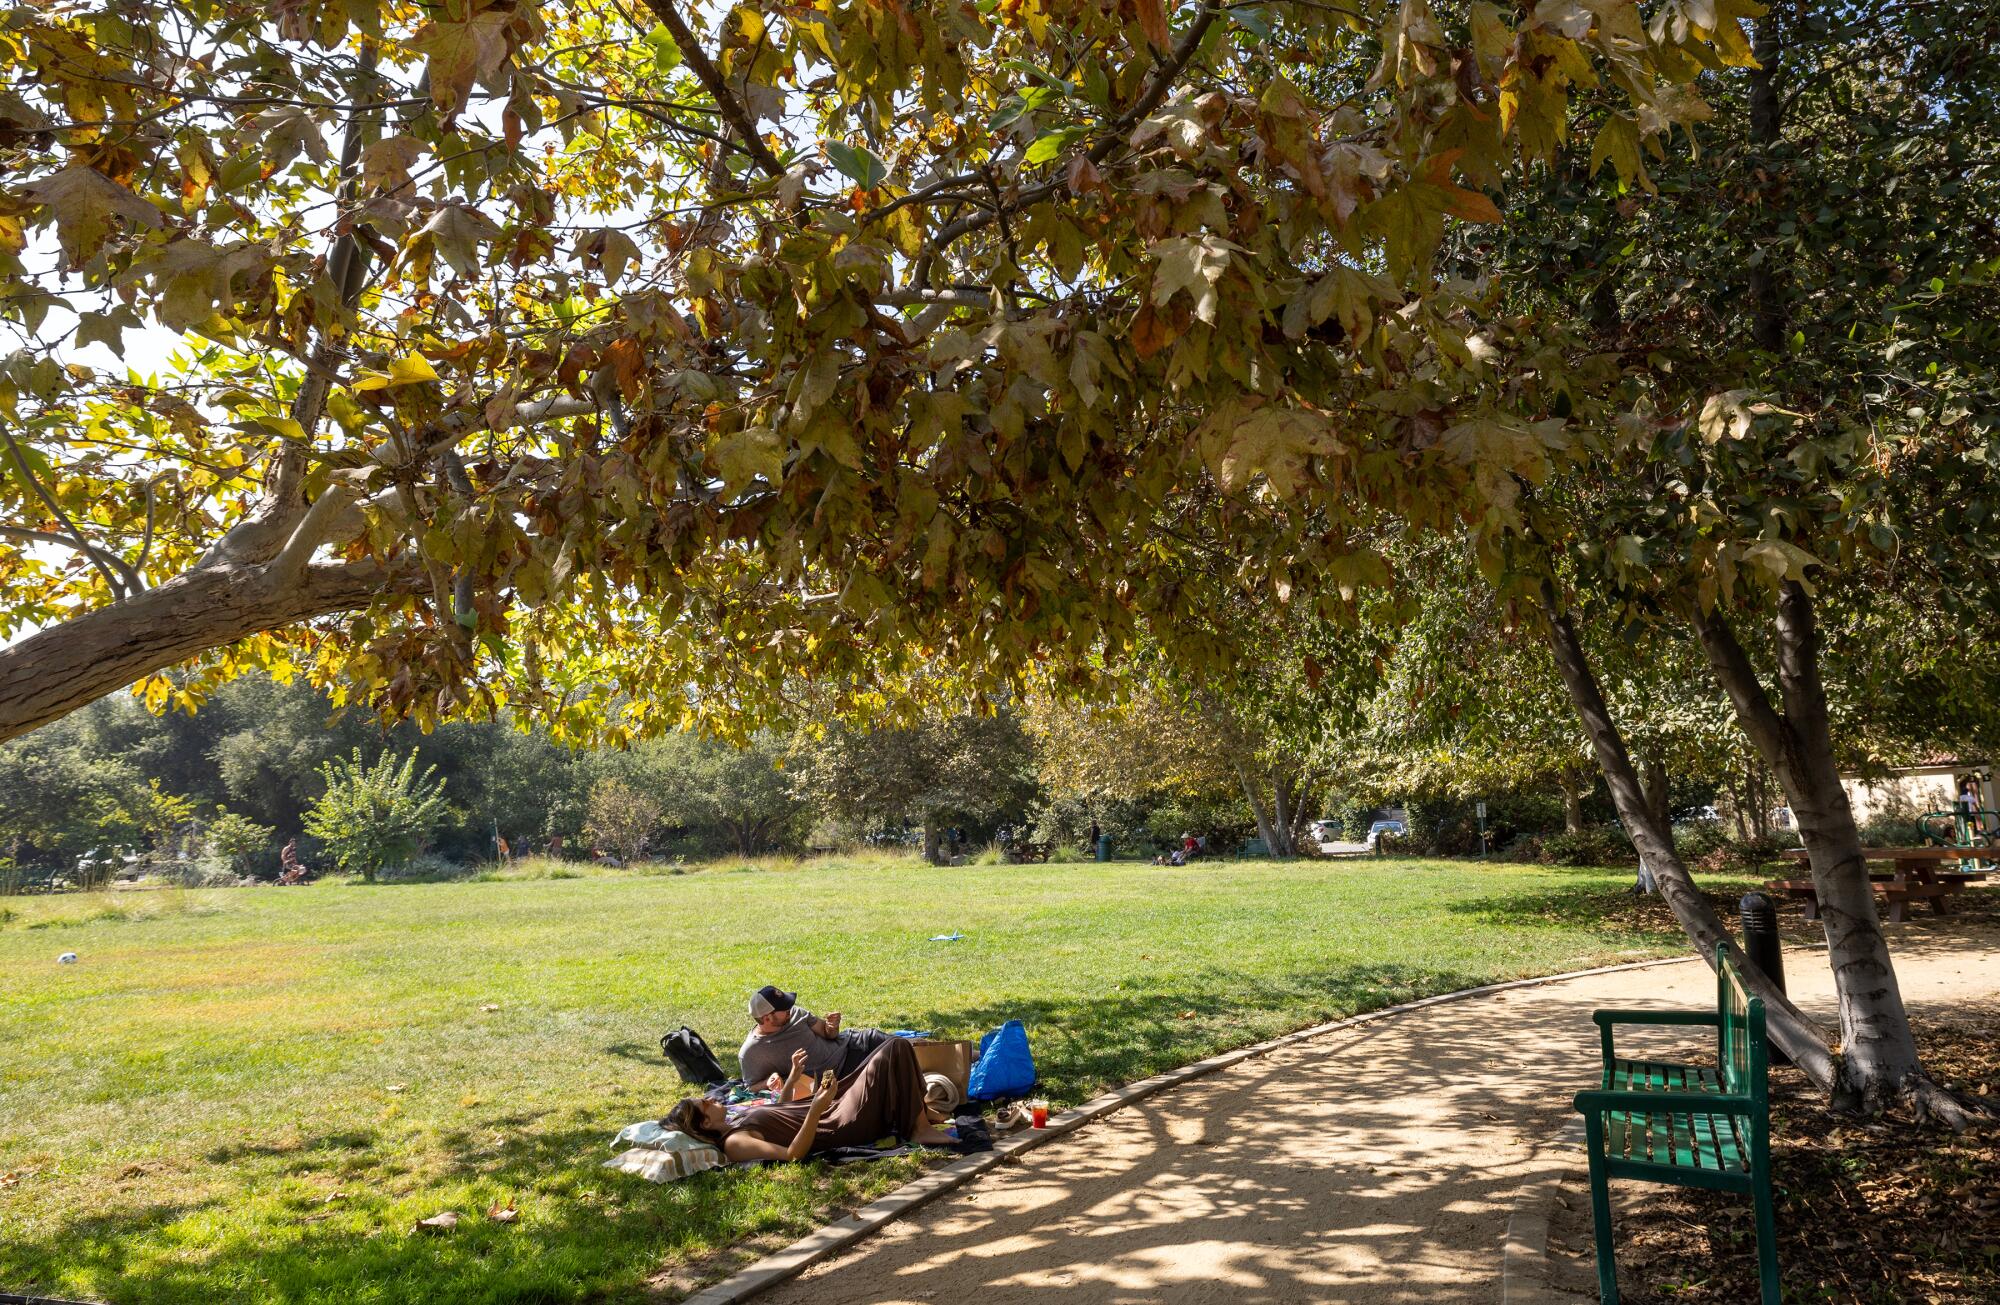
(885, 1096)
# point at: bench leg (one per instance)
(1898, 911)
(1812, 908)
(1600, 1210)
(1767, 1248)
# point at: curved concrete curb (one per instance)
(1524, 1256)
(839, 1235)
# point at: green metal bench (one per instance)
(1686, 1125)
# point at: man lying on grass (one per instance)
(884, 1097)
(784, 1027)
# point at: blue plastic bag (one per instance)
(1005, 1067)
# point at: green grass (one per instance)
(254, 1094)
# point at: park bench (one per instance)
(1686, 1125)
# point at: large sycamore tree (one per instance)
(532, 349)
(698, 351)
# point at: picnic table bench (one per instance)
(1686, 1125)
(1919, 876)
(1026, 852)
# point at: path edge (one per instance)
(1524, 1256)
(842, 1233)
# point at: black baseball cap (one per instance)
(770, 999)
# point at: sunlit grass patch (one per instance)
(257, 1095)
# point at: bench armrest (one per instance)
(1598, 1100)
(1607, 1019)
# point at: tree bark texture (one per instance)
(1654, 783)
(1880, 1053)
(1788, 1026)
(55, 671)
(1257, 808)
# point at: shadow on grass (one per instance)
(585, 1233)
(1087, 1043)
(1643, 918)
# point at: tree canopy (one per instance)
(663, 347)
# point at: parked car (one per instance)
(1392, 828)
(1327, 831)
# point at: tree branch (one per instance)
(89, 550)
(1156, 90)
(98, 557)
(712, 80)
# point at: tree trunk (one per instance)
(1281, 814)
(931, 841)
(1879, 1051)
(1739, 810)
(1788, 1026)
(1257, 808)
(55, 671)
(1572, 808)
(1654, 785)
(1300, 831)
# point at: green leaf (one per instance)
(666, 52)
(858, 163)
(1047, 148)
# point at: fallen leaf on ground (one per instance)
(394, 1087)
(331, 1197)
(443, 1221)
(490, 1006)
(503, 1213)
(1187, 1014)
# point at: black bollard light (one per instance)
(1761, 948)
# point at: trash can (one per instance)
(1104, 847)
(1764, 948)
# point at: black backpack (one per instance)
(692, 1058)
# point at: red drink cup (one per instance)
(1038, 1114)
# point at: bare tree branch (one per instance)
(102, 560)
(711, 79)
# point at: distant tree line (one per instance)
(265, 763)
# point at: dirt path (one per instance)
(1373, 1165)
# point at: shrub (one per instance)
(200, 872)
(1441, 825)
(243, 843)
(373, 818)
(623, 817)
(1593, 845)
(1743, 856)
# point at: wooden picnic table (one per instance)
(1919, 875)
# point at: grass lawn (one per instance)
(254, 1094)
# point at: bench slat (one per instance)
(1677, 1141)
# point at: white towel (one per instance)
(661, 1155)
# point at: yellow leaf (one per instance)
(410, 369)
